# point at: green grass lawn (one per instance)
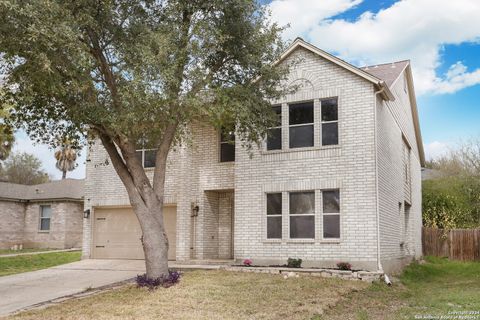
(436, 288)
(8, 251)
(19, 264)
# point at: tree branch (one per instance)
(120, 168)
(161, 160)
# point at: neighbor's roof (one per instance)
(68, 189)
(388, 72)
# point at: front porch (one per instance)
(212, 227)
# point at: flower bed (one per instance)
(327, 273)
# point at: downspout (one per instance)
(379, 262)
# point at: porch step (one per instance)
(216, 262)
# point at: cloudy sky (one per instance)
(440, 37)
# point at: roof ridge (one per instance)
(384, 64)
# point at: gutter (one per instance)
(42, 200)
(379, 262)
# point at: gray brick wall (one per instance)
(11, 224)
(20, 225)
(394, 125)
(65, 226)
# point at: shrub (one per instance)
(294, 263)
(344, 266)
(247, 262)
(153, 283)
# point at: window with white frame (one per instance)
(300, 119)
(274, 215)
(302, 215)
(147, 157)
(329, 121)
(45, 216)
(227, 145)
(274, 134)
(331, 214)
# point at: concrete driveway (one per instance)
(23, 290)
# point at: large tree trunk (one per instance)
(64, 174)
(146, 200)
(154, 240)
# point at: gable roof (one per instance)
(383, 76)
(67, 189)
(379, 83)
(388, 72)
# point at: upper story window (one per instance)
(147, 157)
(308, 125)
(329, 121)
(274, 135)
(227, 145)
(301, 124)
(45, 216)
(406, 162)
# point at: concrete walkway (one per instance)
(24, 290)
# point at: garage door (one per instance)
(117, 233)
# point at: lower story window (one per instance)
(331, 214)
(45, 216)
(274, 216)
(302, 215)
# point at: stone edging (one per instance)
(367, 276)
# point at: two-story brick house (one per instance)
(338, 178)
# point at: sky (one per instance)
(441, 38)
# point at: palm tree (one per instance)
(7, 137)
(6, 140)
(65, 157)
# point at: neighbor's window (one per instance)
(274, 215)
(147, 157)
(274, 135)
(227, 145)
(331, 214)
(301, 124)
(45, 215)
(302, 215)
(329, 121)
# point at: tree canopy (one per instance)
(452, 199)
(129, 71)
(23, 168)
(133, 68)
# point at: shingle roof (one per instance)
(61, 189)
(388, 72)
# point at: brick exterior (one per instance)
(195, 177)
(11, 225)
(20, 225)
(395, 128)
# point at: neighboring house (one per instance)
(47, 215)
(338, 179)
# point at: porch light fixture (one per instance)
(86, 214)
(195, 210)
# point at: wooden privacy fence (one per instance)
(458, 244)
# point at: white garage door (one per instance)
(117, 233)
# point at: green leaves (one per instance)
(131, 67)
